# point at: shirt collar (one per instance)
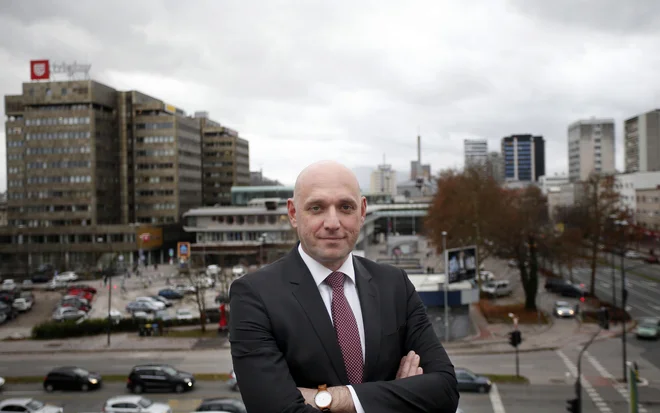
(320, 272)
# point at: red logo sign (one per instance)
(39, 70)
(145, 237)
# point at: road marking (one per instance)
(21, 392)
(496, 400)
(655, 307)
(620, 387)
(588, 388)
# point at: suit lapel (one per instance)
(370, 304)
(309, 298)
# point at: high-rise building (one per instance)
(495, 166)
(383, 180)
(524, 157)
(476, 152)
(226, 161)
(590, 148)
(642, 142)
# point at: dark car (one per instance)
(71, 378)
(556, 285)
(159, 377)
(468, 381)
(222, 404)
(170, 294)
(43, 274)
(651, 259)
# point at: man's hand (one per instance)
(409, 366)
(342, 402)
(308, 395)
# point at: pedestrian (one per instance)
(322, 329)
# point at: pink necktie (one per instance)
(346, 328)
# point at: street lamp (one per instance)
(109, 278)
(624, 293)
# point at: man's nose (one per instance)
(331, 221)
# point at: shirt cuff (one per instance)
(356, 401)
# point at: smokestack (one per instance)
(419, 150)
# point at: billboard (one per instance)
(183, 250)
(39, 70)
(149, 237)
(462, 263)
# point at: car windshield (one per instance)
(562, 304)
(183, 312)
(34, 405)
(81, 372)
(648, 324)
(144, 402)
(170, 370)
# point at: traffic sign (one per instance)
(171, 252)
(183, 250)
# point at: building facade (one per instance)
(628, 184)
(590, 148)
(383, 180)
(647, 214)
(524, 157)
(495, 166)
(476, 152)
(550, 183)
(642, 142)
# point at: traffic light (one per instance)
(573, 406)
(515, 338)
(604, 318)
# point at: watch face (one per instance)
(323, 399)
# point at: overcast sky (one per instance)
(353, 81)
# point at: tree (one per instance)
(600, 204)
(201, 282)
(463, 207)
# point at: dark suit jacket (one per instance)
(282, 338)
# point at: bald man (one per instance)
(323, 330)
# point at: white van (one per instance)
(499, 288)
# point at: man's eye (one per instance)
(315, 208)
(347, 207)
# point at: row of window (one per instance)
(50, 208)
(153, 179)
(164, 192)
(58, 194)
(75, 179)
(34, 223)
(167, 165)
(155, 139)
(244, 236)
(156, 207)
(219, 174)
(14, 144)
(156, 152)
(60, 164)
(50, 108)
(152, 126)
(218, 164)
(15, 130)
(57, 135)
(74, 120)
(57, 150)
(156, 220)
(14, 156)
(14, 170)
(217, 144)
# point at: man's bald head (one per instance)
(321, 171)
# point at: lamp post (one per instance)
(446, 284)
(624, 294)
(109, 277)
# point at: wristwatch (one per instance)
(323, 398)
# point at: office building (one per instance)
(476, 152)
(552, 183)
(590, 148)
(647, 214)
(524, 157)
(226, 161)
(628, 184)
(642, 142)
(495, 166)
(383, 180)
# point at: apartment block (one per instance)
(524, 157)
(476, 152)
(225, 159)
(495, 166)
(647, 214)
(642, 142)
(590, 148)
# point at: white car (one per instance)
(134, 404)
(9, 285)
(212, 270)
(2, 383)
(185, 289)
(68, 313)
(55, 285)
(22, 304)
(28, 405)
(499, 288)
(158, 305)
(116, 315)
(633, 255)
(66, 276)
(486, 276)
(238, 271)
(184, 314)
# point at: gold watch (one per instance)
(323, 398)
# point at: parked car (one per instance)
(170, 294)
(55, 285)
(486, 276)
(8, 285)
(134, 404)
(27, 285)
(71, 378)
(163, 315)
(22, 304)
(75, 302)
(468, 381)
(222, 404)
(238, 271)
(66, 276)
(563, 309)
(184, 314)
(159, 377)
(185, 289)
(7, 312)
(81, 293)
(648, 328)
(116, 315)
(2, 383)
(633, 255)
(499, 288)
(28, 405)
(213, 270)
(156, 303)
(43, 274)
(68, 313)
(143, 306)
(84, 287)
(161, 299)
(651, 259)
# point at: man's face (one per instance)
(328, 213)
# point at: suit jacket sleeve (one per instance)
(435, 390)
(261, 370)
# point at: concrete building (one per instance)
(550, 183)
(422, 172)
(3, 209)
(628, 184)
(226, 161)
(559, 196)
(476, 152)
(647, 214)
(642, 142)
(524, 157)
(495, 166)
(383, 180)
(257, 178)
(590, 148)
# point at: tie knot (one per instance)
(335, 280)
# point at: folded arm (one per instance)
(435, 390)
(265, 381)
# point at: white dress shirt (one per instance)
(320, 273)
